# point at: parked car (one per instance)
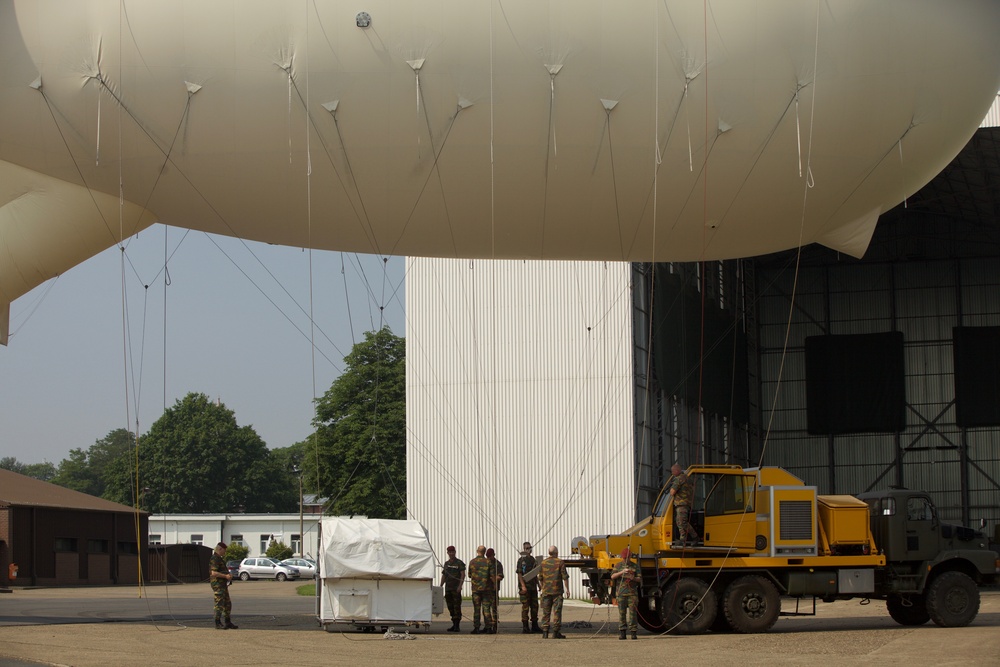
(307, 568)
(266, 568)
(234, 567)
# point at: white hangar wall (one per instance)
(519, 403)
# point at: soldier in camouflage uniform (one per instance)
(527, 590)
(219, 578)
(492, 601)
(479, 578)
(554, 582)
(627, 575)
(452, 578)
(682, 490)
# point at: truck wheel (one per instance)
(907, 609)
(721, 624)
(752, 604)
(953, 600)
(648, 618)
(688, 607)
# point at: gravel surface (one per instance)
(173, 626)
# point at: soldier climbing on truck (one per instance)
(765, 534)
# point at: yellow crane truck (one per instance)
(764, 534)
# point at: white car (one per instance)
(266, 568)
(306, 567)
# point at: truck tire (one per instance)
(648, 618)
(907, 609)
(688, 607)
(953, 600)
(752, 604)
(721, 624)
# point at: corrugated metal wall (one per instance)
(922, 299)
(519, 395)
(993, 116)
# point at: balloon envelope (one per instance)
(566, 129)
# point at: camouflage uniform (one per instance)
(552, 578)
(483, 592)
(683, 497)
(452, 573)
(628, 596)
(220, 588)
(496, 576)
(529, 600)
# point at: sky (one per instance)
(83, 361)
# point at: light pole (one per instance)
(302, 538)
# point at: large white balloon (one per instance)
(583, 129)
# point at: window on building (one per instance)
(265, 540)
(128, 548)
(155, 539)
(296, 544)
(236, 539)
(197, 539)
(65, 544)
(97, 546)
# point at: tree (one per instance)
(361, 431)
(278, 550)
(236, 552)
(85, 471)
(196, 458)
(43, 471)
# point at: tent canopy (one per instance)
(375, 548)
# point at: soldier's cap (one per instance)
(450, 549)
(490, 553)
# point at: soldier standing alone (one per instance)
(682, 490)
(554, 581)
(627, 575)
(452, 578)
(219, 579)
(527, 590)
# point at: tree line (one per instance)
(196, 458)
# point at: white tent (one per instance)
(376, 572)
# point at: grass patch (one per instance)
(306, 589)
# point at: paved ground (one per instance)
(172, 625)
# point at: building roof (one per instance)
(22, 491)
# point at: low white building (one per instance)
(254, 531)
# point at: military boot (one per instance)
(633, 636)
(621, 634)
(231, 626)
(475, 631)
(454, 627)
(558, 635)
(545, 634)
(534, 627)
(218, 624)
(525, 630)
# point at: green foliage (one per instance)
(361, 431)
(237, 552)
(44, 471)
(85, 471)
(196, 458)
(278, 550)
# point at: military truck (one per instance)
(764, 534)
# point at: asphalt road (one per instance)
(171, 625)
